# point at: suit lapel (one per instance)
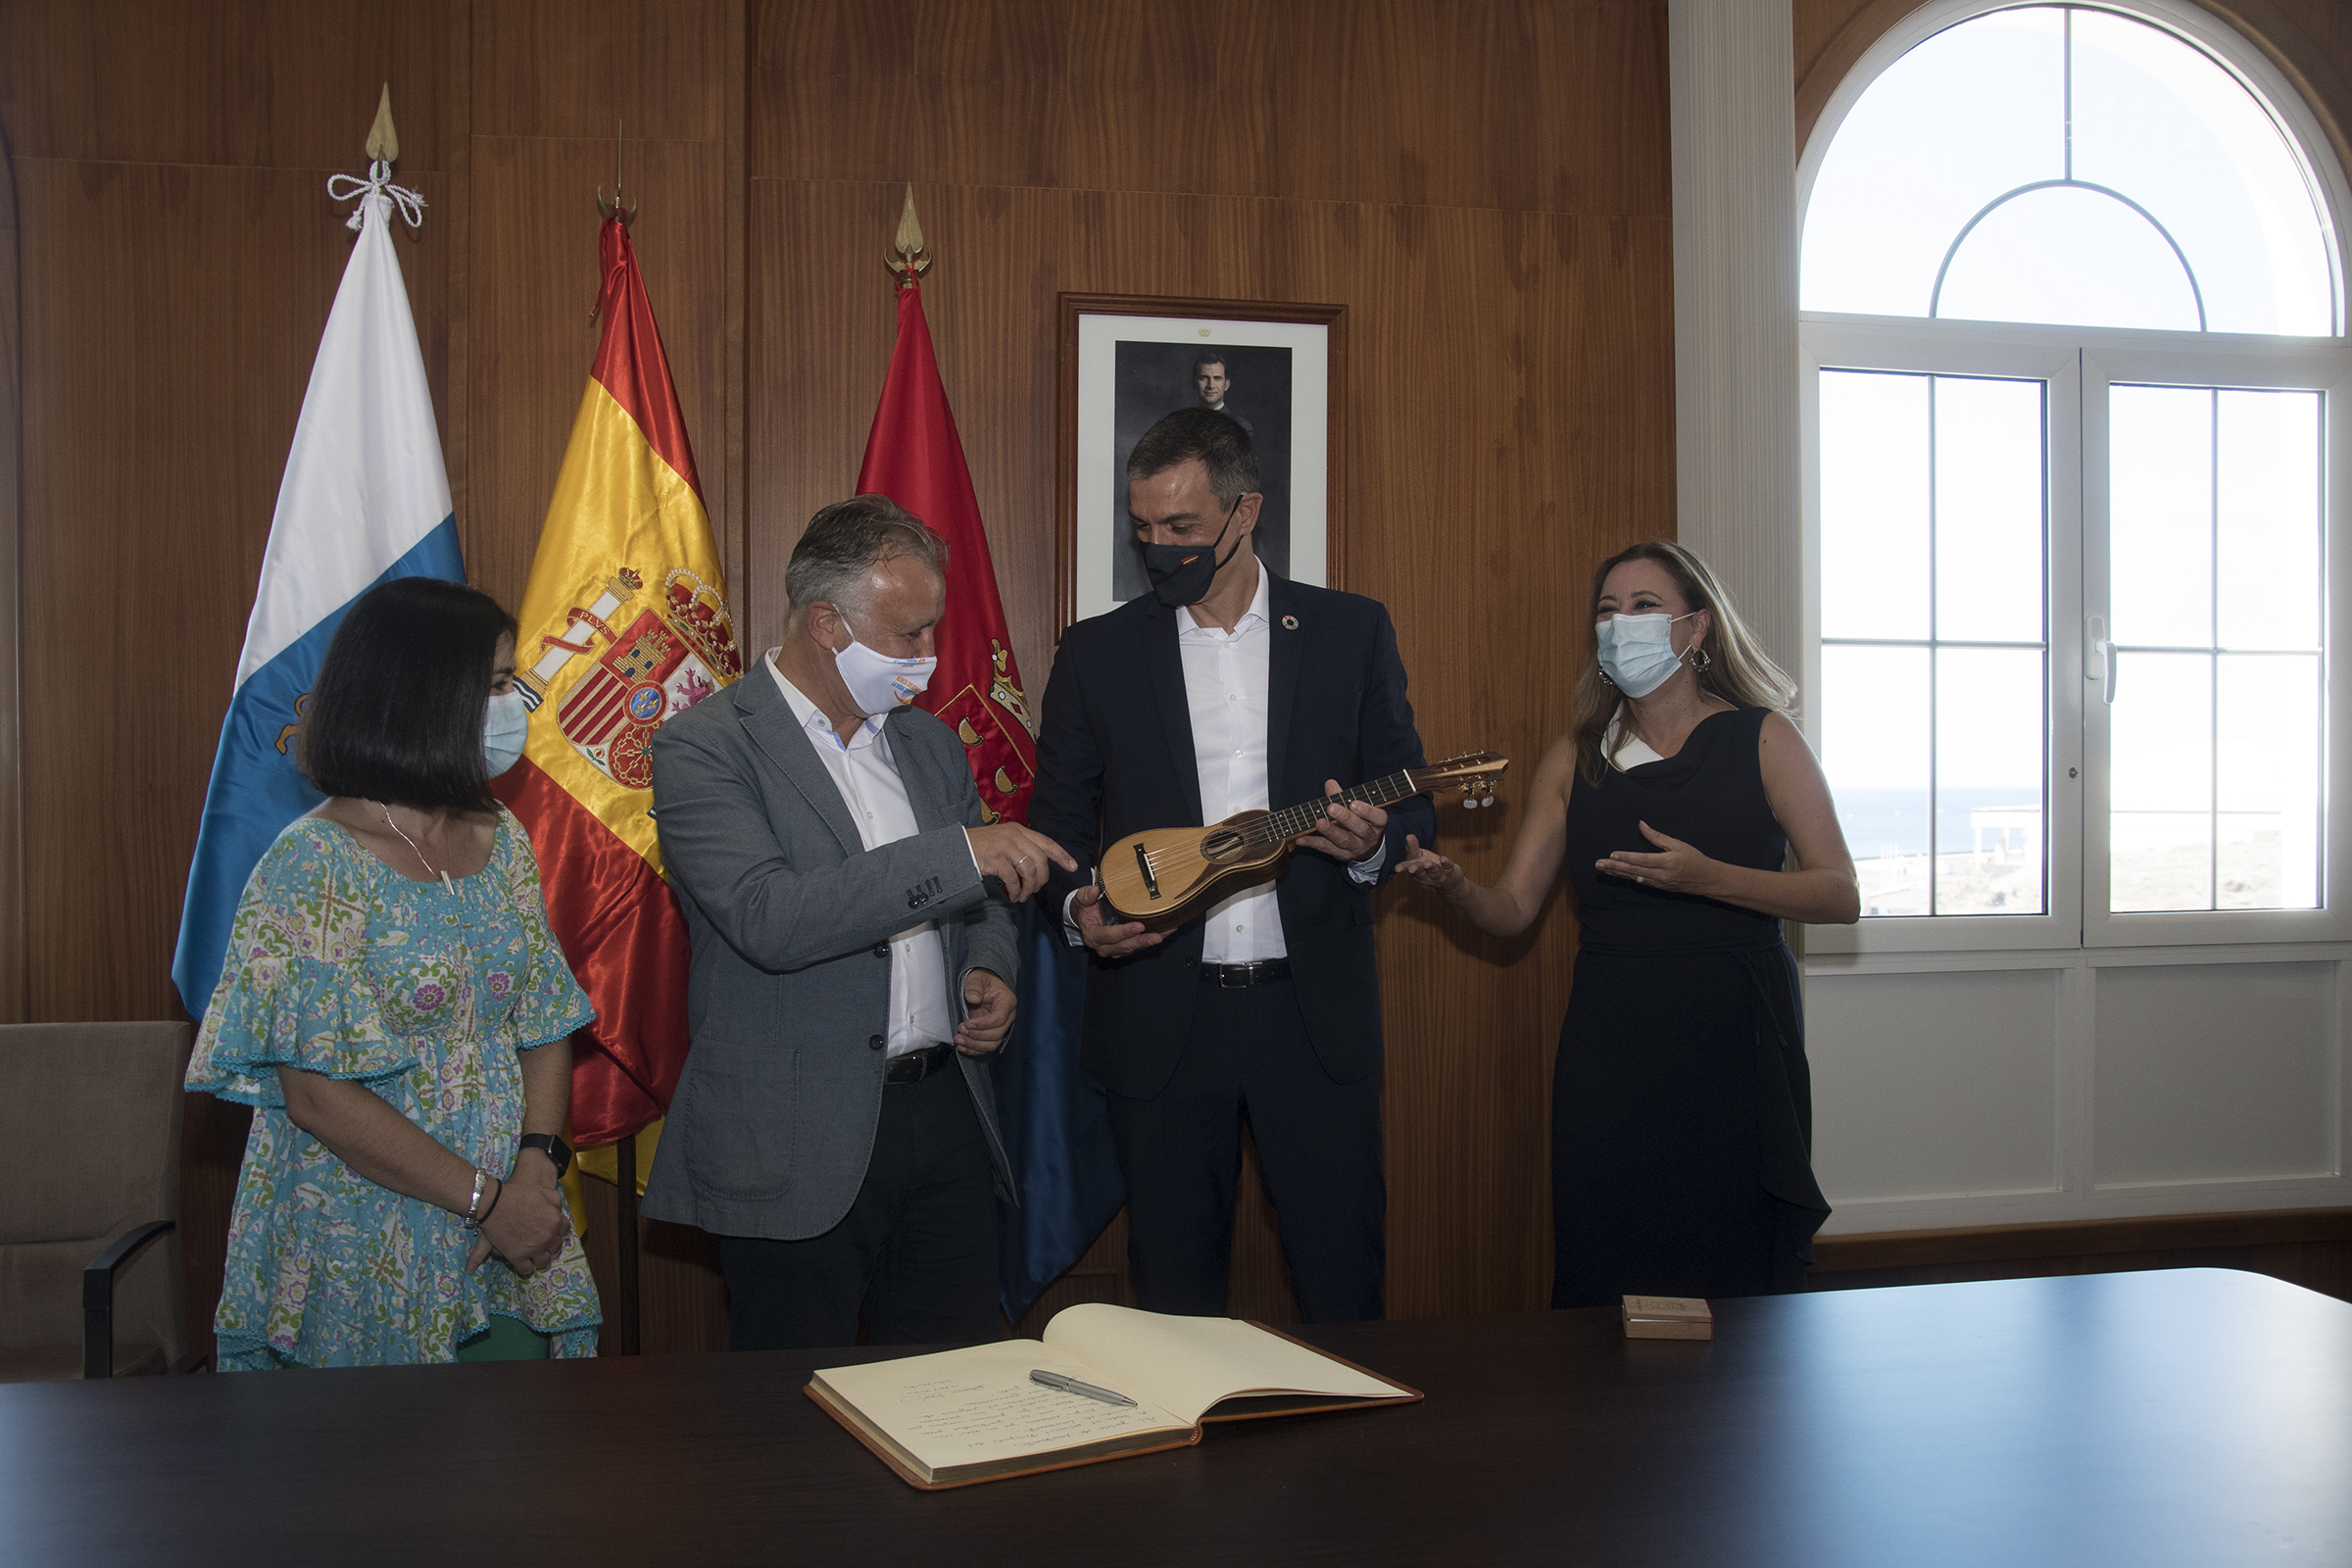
(1281, 689)
(767, 718)
(1166, 668)
(924, 795)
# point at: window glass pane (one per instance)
(1875, 749)
(2267, 781)
(1988, 774)
(2064, 254)
(2160, 822)
(1874, 505)
(2267, 517)
(1988, 509)
(2160, 121)
(1976, 110)
(2160, 516)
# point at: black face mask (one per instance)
(1181, 573)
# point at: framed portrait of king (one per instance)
(1276, 370)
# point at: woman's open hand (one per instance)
(1676, 867)
(1428, 867)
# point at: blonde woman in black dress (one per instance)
(1681, 1106)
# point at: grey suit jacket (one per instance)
(790, 919)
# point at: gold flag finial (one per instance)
(383, 142)
(913, 259)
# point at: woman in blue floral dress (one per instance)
(396, 1010)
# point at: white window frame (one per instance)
(2078, 365)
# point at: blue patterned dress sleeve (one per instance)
(426, 994)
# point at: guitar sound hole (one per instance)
(1221, 845)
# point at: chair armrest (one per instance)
(98, 1295)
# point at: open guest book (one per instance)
(962, 1416)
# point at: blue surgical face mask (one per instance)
(1637, 652)
(505, 725)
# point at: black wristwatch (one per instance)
(554, 1148)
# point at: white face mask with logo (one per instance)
(877, 684)
(1637, 652)
(506, 726)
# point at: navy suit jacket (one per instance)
(1116, 757)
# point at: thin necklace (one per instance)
(446, 885)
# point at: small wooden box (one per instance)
(1667, 1317)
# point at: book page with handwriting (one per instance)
(1185, 1364)
(977, 1405)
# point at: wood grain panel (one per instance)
(569, 68)
(530, 340)
(278, 83)
(13, 978)
(1481, 103)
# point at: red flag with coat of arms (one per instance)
(914, 457)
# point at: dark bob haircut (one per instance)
(1220, 443)
(396, 712)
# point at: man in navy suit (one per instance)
(1226, 689)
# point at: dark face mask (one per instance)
(1181, 573)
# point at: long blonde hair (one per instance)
(1739, 673)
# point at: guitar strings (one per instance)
(1306, 813)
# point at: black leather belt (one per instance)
(916, 1065)
(1233, 976)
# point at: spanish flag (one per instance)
(624, 622)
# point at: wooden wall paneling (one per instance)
(731, 519)
(278, 83)
(569, 69)
(1492, 103)
(681, 1300)
(456, 220)
(12, 568)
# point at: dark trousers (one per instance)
(1248, 1060)
(916, 1253)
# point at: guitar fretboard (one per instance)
(1292, 820)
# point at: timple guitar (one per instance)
(1166, 876)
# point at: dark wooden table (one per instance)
(2193, 1417)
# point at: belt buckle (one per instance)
(1236, 976)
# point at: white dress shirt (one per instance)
(871, 787)
(1225, 686)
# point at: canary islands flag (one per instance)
(364, 498)
(624, 623)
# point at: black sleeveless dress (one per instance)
(1682, 1111)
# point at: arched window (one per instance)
(2075, 373)
(2070, 164)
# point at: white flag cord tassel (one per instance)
(349, 187)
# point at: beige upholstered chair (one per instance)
(89, 1129)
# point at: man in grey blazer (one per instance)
(835, 1126)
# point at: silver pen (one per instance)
(1054, 1379)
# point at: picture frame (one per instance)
(1126, 359)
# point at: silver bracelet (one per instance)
(480, 1176)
